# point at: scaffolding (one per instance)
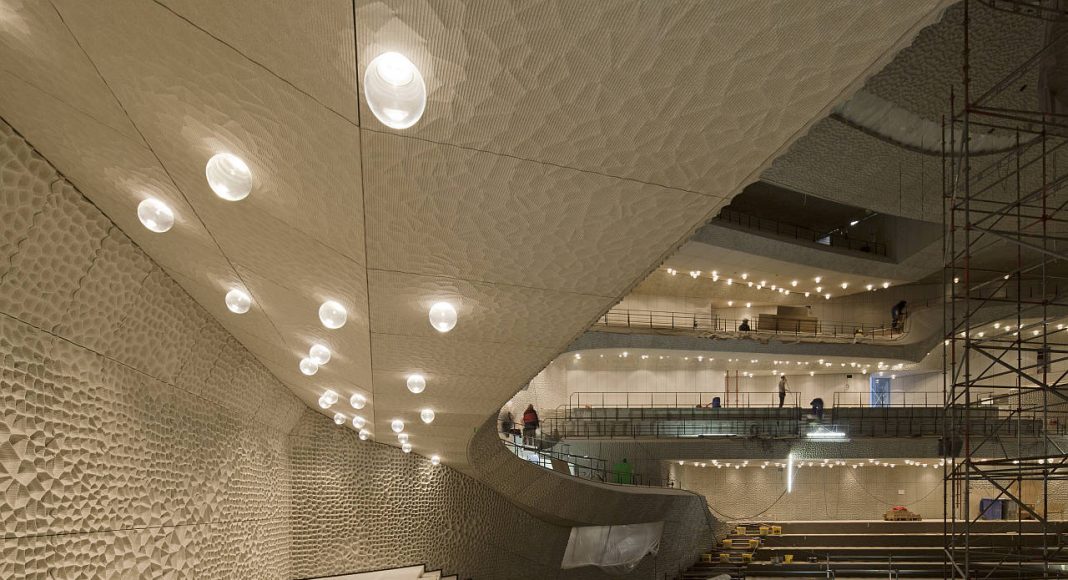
(1006, 223)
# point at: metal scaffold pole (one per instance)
(1006, 313)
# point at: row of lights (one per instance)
(863, 368)
(828, 463)
(396, 94)
(774, 287)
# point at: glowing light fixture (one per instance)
(155, 215)
(443, 316)
(339, 419)
(416, 383)
(308, 366)
(402, 437)
(427, 415)
(229, 177)
(395, 90)
(358, 422)
(397, 425)
(327, 399)
(435, 460)
(364, 434)
(332, 314)
(238, 301)
(790, 473)
(357, 401)
(319, 353)
(407, 447)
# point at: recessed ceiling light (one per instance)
(327, 399)
(395, 91)
(308, 366)
(357, 401)
(155, 215)
(407, 448)
(443, 316)
(364, 434)
(358, 421)
(339, 419)
(427, 415)
(397, 425)
(416, 383)
(319, 353)
(435, 460)
(238, 301)
(332, 314)
(229, 177)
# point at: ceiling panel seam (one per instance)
(257, 63)
(492, 283)
(161, 164)
(68, 105)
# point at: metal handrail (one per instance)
(709, 322)
(540, 452)
(783, 229)
(893, 399)
(677, 399)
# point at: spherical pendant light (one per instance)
(395, 90)
(397, 425)
(402, 437)
(364, 434)
(155, 215)
(327, 399)
(443, 316)
(229, 177)
(358, 422)
(427, 415)
(416, 383)
(238, 301)
(308, 366)
(357, 401)
(332, 314)
(435, 460)
(320, 354)
(407, 448)
(339, 419)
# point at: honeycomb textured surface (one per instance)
(140, 439)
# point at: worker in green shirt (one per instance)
(622, 472)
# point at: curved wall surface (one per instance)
(139, 439)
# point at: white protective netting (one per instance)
(614, 549)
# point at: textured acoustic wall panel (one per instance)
(139, 439)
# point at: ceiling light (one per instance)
(358, 422)
(793, 282)
(394, 90)
(845, 285)
(308, 366)
(364, 434)
(745, 276)
(443, 316)
(435, 460)
(827, 296)
(427, 415)
(238, 301)
(730, 303)
(817, 279)
(854, 222)
(229, 177)
(357, 401)
(819, 289)
(320, 354)
(327, 399)
(806, 294)
(402, 437)
(339, 419)
(407, 447)
(333, 315)
(416, 383)
(397, 425)
(155, 215)
(869, 287)
(748, 304)
(886, 284)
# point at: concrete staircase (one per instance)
(406, 573)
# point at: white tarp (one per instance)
(614, 549)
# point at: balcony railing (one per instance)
(548, 454)
(782, 229)
(708, 323)
(682, 401)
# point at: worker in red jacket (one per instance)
(530, 424)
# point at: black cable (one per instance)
(760, 513)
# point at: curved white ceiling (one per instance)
(565, 149)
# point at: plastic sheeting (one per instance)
(614, 549)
